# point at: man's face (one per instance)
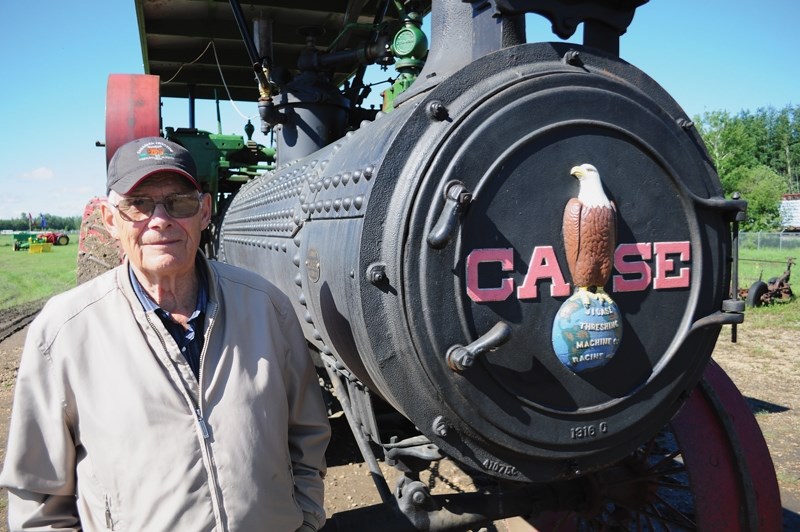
(161, 246)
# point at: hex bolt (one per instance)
(418, 497)
(376, 273)
(685, 123)
(437, 110)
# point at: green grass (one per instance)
(765, 263)
(27, 277)
(785, 315)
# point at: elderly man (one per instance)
(171, 393)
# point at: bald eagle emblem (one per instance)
(590, 236)
(587, 329)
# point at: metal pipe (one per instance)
(219, 118)
(735, 266)
(191, 107)
(255, 60)
(363, 445)
(458, 511)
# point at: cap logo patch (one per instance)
(155, 151)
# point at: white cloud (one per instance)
(38, 174)
(40, 198)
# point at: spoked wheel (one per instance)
(709, 469)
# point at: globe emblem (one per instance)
(586, 336)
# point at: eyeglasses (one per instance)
(141, 208)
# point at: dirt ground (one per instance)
(764, 364)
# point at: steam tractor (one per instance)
(520, 263)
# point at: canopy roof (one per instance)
(188, 42)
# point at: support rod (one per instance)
(255, 60)
(363, 445)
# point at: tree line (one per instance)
(758, 155)
(27, 221)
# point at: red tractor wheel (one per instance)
(132, 109)
(709, 469)
(62, 240)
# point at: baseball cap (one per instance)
(138, 159)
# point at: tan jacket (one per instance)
(111, 430)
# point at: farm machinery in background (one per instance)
(53, 238)
(428, 249)
(773, 290)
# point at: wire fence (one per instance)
(770, 241)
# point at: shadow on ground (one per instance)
(757, 406)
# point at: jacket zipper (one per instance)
(109, 520)
(200, 419)
(202, 422)
(208, 458)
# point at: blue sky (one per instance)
(56, 57)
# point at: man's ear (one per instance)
(109, 220)
(206, 208)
